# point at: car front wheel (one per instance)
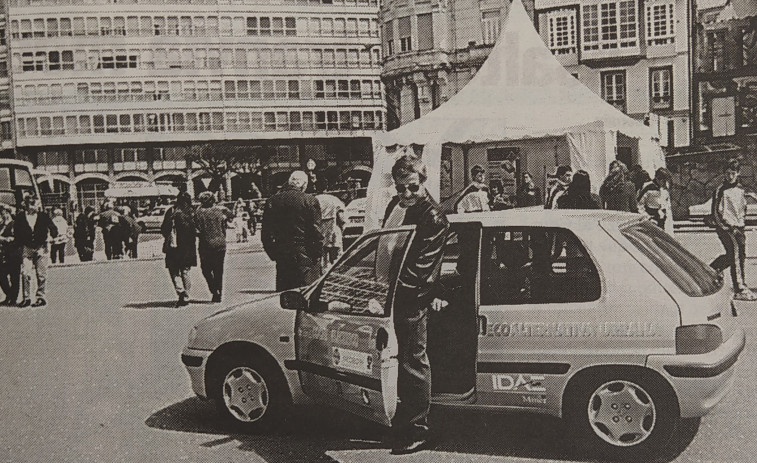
(250, 394)
(623, 415)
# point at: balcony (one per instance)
(406, 62)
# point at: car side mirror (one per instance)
(293, 300)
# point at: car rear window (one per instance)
(691, 275)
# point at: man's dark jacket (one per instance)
(25, 236)
(424, 258)
(292, 219)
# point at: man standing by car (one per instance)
(32, 228)
(728, 216)
(563, 175)
(211, 230)
(291, 233)
(413, 206)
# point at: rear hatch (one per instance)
(698, 290)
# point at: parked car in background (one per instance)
(153, 219)
(704, 210)
(598, 317)
(354, 221)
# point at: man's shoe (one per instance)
(216, 297)
(413, 446)
(745, 295)
(39, 303)
(25, 303)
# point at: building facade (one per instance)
(634, 53)
(6, 104)
(122, 90)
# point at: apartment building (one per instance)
(6, 112)
(634, 53)
(121, 90)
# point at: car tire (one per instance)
(622, 413)
(250, 394)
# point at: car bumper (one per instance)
(701, 380)
(195, 361)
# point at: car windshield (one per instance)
(692, 276)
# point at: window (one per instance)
(716, 50)
(490, 24)
(661, 88)
(534, 265)
(562, 31)
(252, 26)
(425, 32)
(610, 25)
(406, 43)
(614, 88)
(660, 22)
(359, 283)
(389, 37)
(688, 273)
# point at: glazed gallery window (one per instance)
(403, 25)
(610, 25)
(660, 22)
(562, 31)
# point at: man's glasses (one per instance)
(413, 187)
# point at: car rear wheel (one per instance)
(622, 414)
(249, 393)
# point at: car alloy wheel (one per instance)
(245, 394)
(622, 413)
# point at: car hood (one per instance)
(262, 322)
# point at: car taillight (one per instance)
(698, 339)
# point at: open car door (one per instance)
(345, 342)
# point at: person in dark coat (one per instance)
(579, 195)
(416, 292)
(10, 258)
(180, 245)
(84, 234)
(291, 234)
(31, 230)
(130, 230)
(211, 230)
(528, 193)
(617, 192)
(112, 230)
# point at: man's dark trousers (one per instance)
(211, 262)
(734, 242)
(295, 268)
(10, 278)
(414, 380)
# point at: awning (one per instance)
(141, 192)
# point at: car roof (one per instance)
(539, 217)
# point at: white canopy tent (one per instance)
(521, 92)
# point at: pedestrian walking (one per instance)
(10, 257)
(528, 193)
(291, 233)
(728, 217)
(110, 224)
(617, 192)
(131, 231)
(332, 223)
(32, 228)
(654, 197)
(475, 197)
(578, 195)
(84, 234)
(58, 244)
(563, 175)
(211, 231)
(180, 245)
(413, 297)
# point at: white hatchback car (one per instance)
(596, 316)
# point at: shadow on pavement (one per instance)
(313, 431)
(151, 305)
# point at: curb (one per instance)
(141, 259)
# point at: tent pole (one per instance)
(466, 163)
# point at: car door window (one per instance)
(360, 283)
(536, 265)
